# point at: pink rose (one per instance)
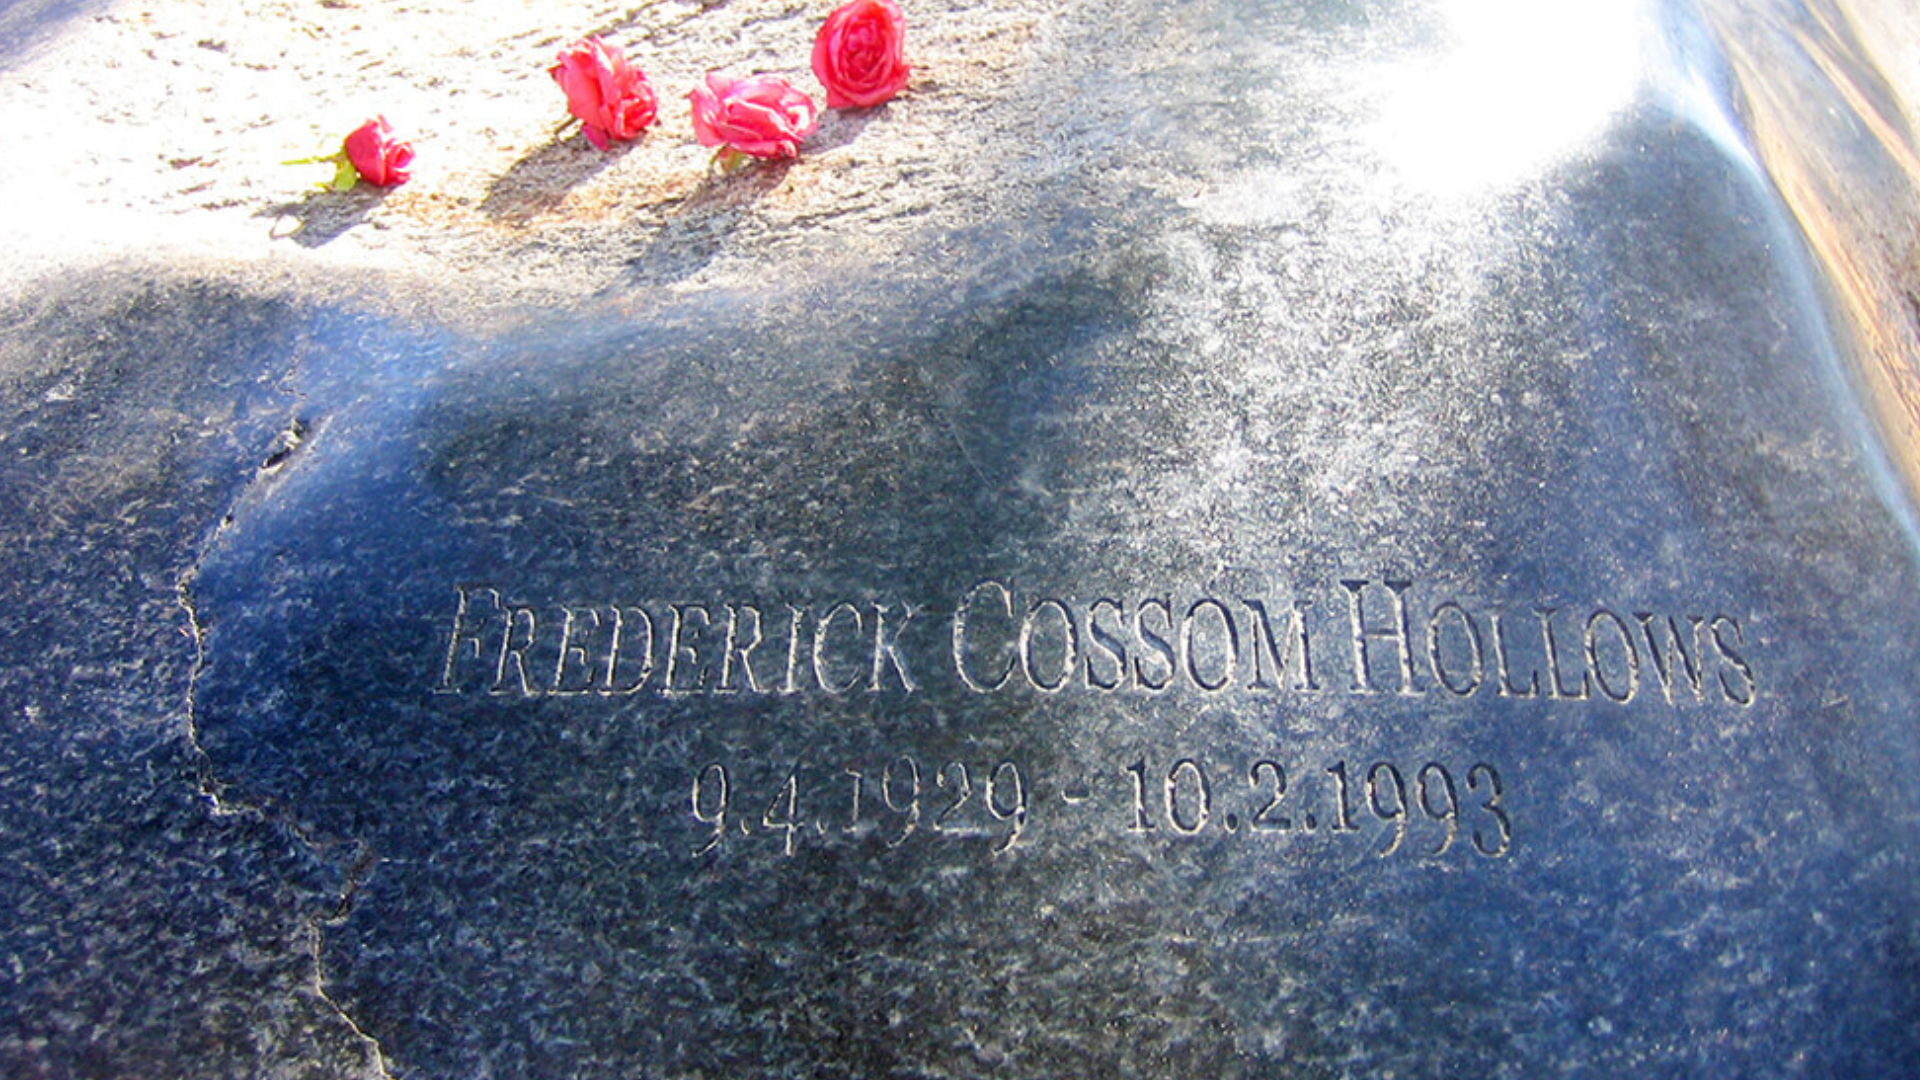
(612, 99)
(379, 158)
(856, 55)
(760, 116)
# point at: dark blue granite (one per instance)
(323, 760)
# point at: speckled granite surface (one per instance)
(1220, 607)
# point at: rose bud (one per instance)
(761, 116)
(610, 97)
(379, 158)
(857, 54)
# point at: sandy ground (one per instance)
(156, 131)
(160, 130)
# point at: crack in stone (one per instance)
(214, 792)
(209, 786)
(316, 938)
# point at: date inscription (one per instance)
(1422, 809)
(895, 802)
(1183, 801)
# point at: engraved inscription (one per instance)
(1183, 801)
(1425, 811)
(505, 649)
(889, 805)
(1369, 638)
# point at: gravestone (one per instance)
(1308, 581)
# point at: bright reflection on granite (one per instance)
(1518, 85)
(1332, 569)
(1836, 142)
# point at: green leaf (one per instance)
(345, 176)
(730, 161)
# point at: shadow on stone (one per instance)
(695, 230)
(322, 215)
(539, 182)
(839, 128)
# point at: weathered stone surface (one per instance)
(1294, 576)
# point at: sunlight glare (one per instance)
(1522, 82)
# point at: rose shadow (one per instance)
(697, 227)
(540, 180)
(323, 215)
(840, 127)
(695, 231)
